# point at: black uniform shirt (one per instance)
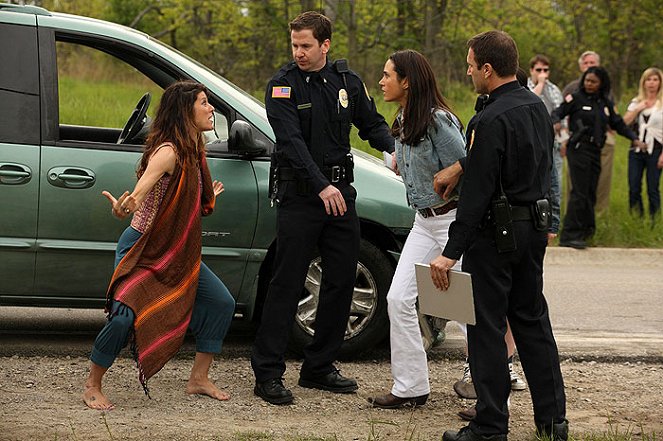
(595, 113)
(514, 130)
(311, 113)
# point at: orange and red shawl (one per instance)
(158, 277)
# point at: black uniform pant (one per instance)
(584, 162)
(511, 285)
(304, 226)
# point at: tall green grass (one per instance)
(101, 103)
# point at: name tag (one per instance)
(586, 107)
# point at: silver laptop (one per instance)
(456, 303)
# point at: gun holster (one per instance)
(580, 131)
(349, 168)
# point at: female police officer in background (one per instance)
(590, 113)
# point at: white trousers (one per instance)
(409, 365)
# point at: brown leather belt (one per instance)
(438, 211)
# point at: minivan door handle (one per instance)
(71, 177)
(14, 174)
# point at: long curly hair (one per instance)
(174, 123)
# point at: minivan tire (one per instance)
(368, 323)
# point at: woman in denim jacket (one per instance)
(428, 138)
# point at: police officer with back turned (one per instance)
(311, 104)
(501, 230)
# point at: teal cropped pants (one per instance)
(213, 311)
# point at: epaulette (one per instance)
(285, 70)
(290, 66)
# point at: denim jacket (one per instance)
(443, 145)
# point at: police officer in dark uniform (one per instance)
(501, 231)
(590, 112)
(311, 104)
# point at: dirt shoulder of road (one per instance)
(41, 399)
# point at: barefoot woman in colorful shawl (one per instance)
(160, 287)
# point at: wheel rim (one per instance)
(363, 307)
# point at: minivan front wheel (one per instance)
(368, 323)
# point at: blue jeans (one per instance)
(637, 164)
(212, 313)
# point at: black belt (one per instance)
(438, 211)
(521, 213)
(335, 174)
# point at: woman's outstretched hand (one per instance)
(217, 186)
(122, 206)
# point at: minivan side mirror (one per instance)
(242, 142)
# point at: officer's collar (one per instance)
(322, 73)
(484, 100)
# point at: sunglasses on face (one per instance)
(541, 69)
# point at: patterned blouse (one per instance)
(144, 216)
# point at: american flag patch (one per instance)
(280, 92)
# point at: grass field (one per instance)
(109, 104)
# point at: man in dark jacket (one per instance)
(501, 231)
(311, 104)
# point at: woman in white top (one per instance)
(646, 111)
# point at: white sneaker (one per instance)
(516, 382)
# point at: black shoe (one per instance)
(273, 391)
(466, 434)
(554, 432)
(332, 382)
(575, 243)
(390, 401)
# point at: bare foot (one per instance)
(95, 399)
(205, 387)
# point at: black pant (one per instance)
(511, 285)
(304, 226)
(584, 162)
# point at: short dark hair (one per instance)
(604, 77)
(538, 58)
(496, 48)
(319, 24)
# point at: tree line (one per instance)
(247, 40)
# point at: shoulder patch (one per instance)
(568, 98)
(281, 92)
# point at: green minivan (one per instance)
(61, 77)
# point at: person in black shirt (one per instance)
(506, 176)
(311, 104)
(590, 113)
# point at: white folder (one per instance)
(456, 303)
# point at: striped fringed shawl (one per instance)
(158, 277)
